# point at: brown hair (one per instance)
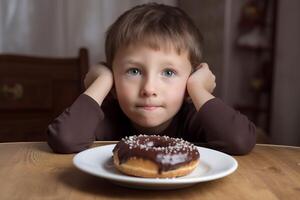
(158, 26)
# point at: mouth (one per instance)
(148, 107)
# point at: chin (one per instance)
(148, 123)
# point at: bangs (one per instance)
(156, 41)
(158, 27)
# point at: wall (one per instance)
(233, 68)
(209, 17)
(59, 28)
(285, 124)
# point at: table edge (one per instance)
(277, 145)
(115, 141)
(45, 142)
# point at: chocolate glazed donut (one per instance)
(155, 156)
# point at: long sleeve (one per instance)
(221, 127)
(74, 130)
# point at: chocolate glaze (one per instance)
(168, 153)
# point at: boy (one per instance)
(153, 64)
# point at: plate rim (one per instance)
(154, 181)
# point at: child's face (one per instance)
(150, 84)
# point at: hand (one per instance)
(202, 79)
(99, 81)
(94, 72)
(200, 85)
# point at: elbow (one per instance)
(244, 141)
(241, 147)
(62, 144)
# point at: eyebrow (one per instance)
(165, 63)
(131, 61)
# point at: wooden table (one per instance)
(32, 171)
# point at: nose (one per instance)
(148, 87)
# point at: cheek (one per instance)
(176, 92)
(124, 90)
(120, 89)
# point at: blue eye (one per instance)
(133, 71)
(168, 73)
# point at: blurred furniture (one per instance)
(257, 29)
(32, 170)
(34, 90)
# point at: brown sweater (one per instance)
(215, 125)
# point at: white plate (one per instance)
(98, 161)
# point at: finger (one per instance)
(204, 65)
(214, 78)
(197, 67)
(211, 90)
(214, 86)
